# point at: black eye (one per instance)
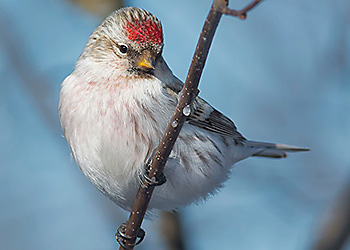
(123, 49)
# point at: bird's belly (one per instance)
(111, 146)
(197, 166)
(112, 154)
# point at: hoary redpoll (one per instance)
(116, 105)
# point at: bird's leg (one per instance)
(123, 239)
(146, 180)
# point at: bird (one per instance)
(116, 104)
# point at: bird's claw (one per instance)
(123, 239)
(146, 181)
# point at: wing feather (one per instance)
(206, 117)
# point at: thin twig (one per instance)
(171, 230)
(242, 14)
(188, 93)
(336, 228)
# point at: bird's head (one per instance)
(128, 43)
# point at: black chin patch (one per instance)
(140, 73)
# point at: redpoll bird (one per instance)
(116, 105)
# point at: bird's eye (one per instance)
(123, 48)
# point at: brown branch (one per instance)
(98, 7)
(242, 14)
(188, 93)
(335, 230)
(171, 230)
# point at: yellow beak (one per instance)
(146, 63)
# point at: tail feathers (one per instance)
(273, 150)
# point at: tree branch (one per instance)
(171, 230)
(335, 230)
(188, 93)
(242, 14)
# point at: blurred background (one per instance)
(282, 75)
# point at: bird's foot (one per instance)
(123, 239)
(146, 181)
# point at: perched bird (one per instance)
(115, 107)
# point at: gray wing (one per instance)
(206, 117)
(203, 115)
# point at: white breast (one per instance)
(113, 128)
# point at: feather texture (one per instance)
(113, 114)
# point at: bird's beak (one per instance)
(146, 63)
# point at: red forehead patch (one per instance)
(145, 32)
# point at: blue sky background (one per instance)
(282, 75)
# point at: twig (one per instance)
(98, 7)
(171, 230)
(242, 14)
(188, 93)
(336, 228)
